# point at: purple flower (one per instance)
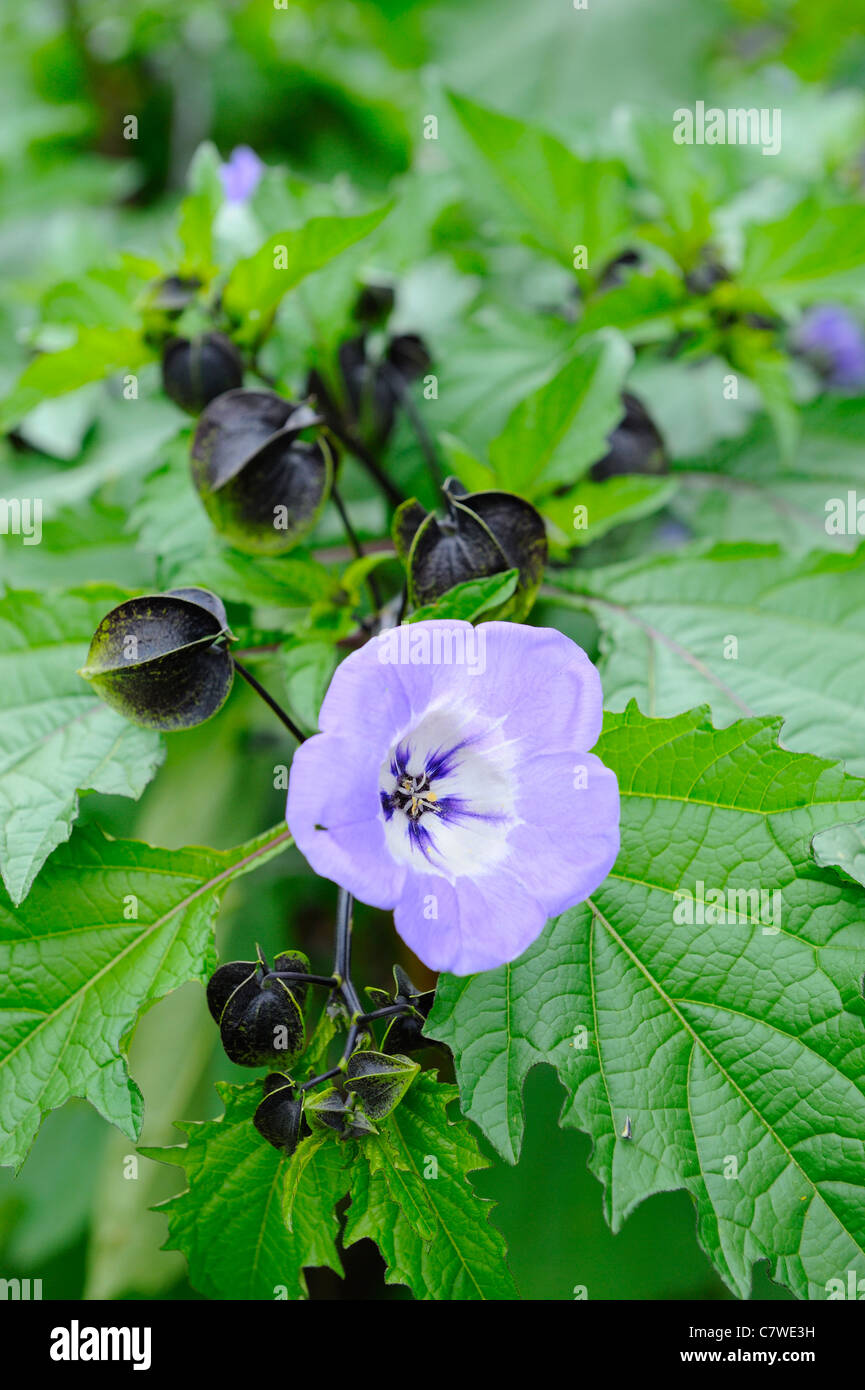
(835, 342)
(240, 174)
(451, 781)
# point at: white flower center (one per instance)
(448, 793)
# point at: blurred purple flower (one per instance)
(451, 781)
(835, 343)
(240, 174)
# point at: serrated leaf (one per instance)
(283, 581)
(97, 353)
(553, 435)
(433, 1232)
(257, 284)
(669, 623)
(648, 308)
(562, 199)
(57, 736)
(812, 252)
(228, 1222)
(197, 212)
(680, 1044)
(110, 926)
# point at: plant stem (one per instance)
(299, 977)
(342, 956)
(356, 546)
(389, 1011)
(269, 700)
(401, 390)
(370, 462)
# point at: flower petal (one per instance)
(333, 813)
(479, 923)
(567, 839)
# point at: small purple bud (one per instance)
(834, 341)
(240, 174)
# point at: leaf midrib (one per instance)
(671, 1005)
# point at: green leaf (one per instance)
(563, 200)
(167, 517)
(282, 581)
(197, 212)
(103, 297)
(109, 927)
(257, 284)
(684, 1044)
(57, 736)
(79, 545)
(812, 252)
(97, 353)
(591, 509)
(746, 629)
(743, 489)
(555, 433)
(433, 1230)
(306, 669)
(647, 308)
(228, 1222)
(470, 600)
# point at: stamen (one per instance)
(414, 796)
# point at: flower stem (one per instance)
(367, 458)
(342, 956)
(401, 390)
(389, 1011)
(299, 977)
(269, 700)
(371, 582)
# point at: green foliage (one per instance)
(546, 183)
(429, 1228)
(552, 254)
(109, 927)
(683, 1032)
(58, 737)
(747, 629)
(257, 284)
(228, 1222)
(252, 1219)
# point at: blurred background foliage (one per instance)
(332, 95)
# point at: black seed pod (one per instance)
(635, 445)
(706, 275)
(162, 660)
(405, 1032)
(374, 305)
(408, 354)
(370, 391)
(279, 1116)
(174, 293)
(379, 1080)
(614, 273)
(163, 302)
(197, 370)
(374, 385)
(262, 484)
(482, 533)
(260, 1017)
